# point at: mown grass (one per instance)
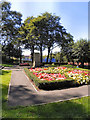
(77, 108)
(6, 65)
(6, 76)
(75, 67)
(53, 65)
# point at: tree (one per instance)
(43, 32)
(65, 41)
(67, 47)
(11, 51)
(11, 20)
(52, 28)
(48, 30)
(10, 23)
(27, 35)
(39, 32)
(81, 51)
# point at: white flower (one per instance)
(74, 77)
(81, 82)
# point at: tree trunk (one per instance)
(73, 61)
(32, 53)
(9, 54)
(41, 53)
(32, 56)
(51, 57)
(68, 58)
(20, 59)
(20, 56)
(48, 54)
(9, 57)
(82, 64)
(61, 59)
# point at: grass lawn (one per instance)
(7, 65)
(77, 108)
(70, 66)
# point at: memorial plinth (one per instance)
(36, 60)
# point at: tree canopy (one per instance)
(43, 32)
(10, 23)
(81, 51)
(39, 33)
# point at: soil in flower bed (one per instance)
(57, 77)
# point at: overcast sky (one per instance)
(74, 15)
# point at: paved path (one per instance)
(22, 92)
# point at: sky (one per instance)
(74, 15)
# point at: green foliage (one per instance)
(43, 32)
(81, 51)
(27, 36)
(11, 51)
(32, 77)
(67, 47)
(60, 57)
(77, 52)
(11, 21)
(53, 29)
(7, 65)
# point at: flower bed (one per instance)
(59, 77)
(24, 64)
(81, 77)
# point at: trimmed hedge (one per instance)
(51, 85)
(32, 77)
